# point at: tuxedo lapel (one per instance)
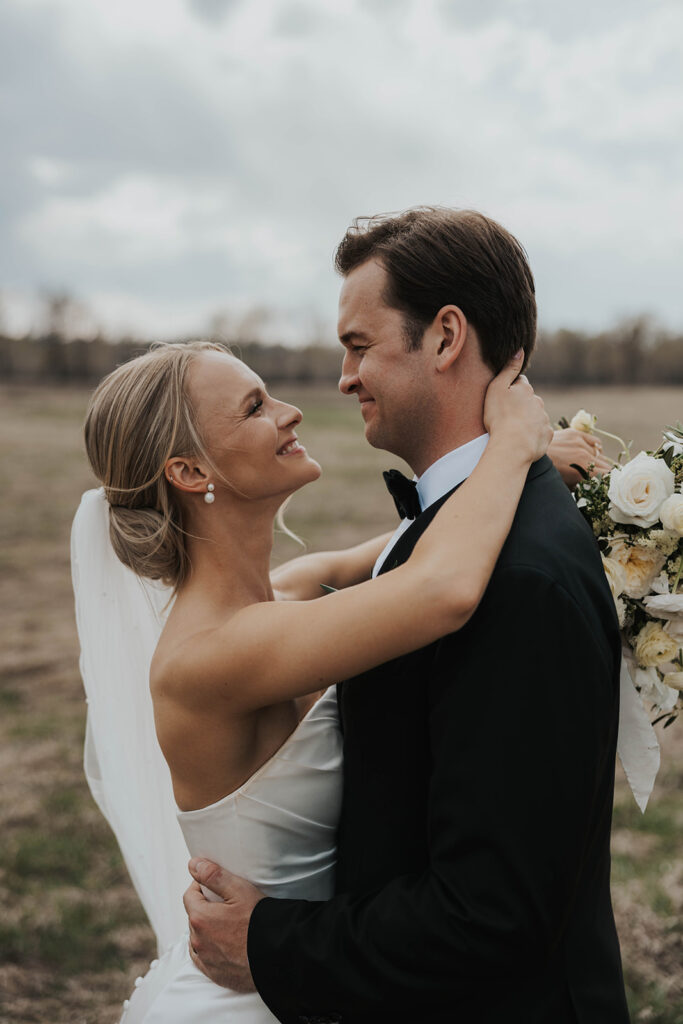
(402, 549)
(406, 542)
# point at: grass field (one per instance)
(72, 934)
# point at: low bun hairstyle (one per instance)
(139, 417)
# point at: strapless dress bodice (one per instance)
(278, 830)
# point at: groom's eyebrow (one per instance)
(351, 336)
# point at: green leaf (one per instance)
(669, 721)
(563, 423)
(580, 470)
(328, 590)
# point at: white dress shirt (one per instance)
(440, 478)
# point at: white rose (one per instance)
(640, 565)
(583, 421)
(653, 690)
(671, 514)
(674, 680)
(638, 489)
(654, 645)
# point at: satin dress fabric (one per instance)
(279, 831)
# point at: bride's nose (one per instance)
(289, 415)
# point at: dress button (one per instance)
(126, 1003)
(138, 982)
(154, 963)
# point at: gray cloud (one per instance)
(213, 12)
(297, 19)
(176, 165)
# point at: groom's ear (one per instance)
(448, 334)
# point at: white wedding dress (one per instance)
(279, 831)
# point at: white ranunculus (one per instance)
(674, 680)
(583, 421)
(616, 577)
(654, 645)
(641, 566)
(674, 628)
(620, 606)
(638, 490)
(653, 690)
(671, 514)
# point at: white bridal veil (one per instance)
(119, 619)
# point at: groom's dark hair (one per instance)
(436, 257)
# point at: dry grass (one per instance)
(72, 936)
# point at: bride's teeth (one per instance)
(292, 446)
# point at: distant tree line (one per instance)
(634, 352)
(54, 359)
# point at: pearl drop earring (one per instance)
(209, 496)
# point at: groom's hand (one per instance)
(218, 931)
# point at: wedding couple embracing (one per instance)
(396, 791)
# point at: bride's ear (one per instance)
(448, 336)
(185, 475)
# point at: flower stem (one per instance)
(605, 433)
(679, 573)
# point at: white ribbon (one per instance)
(637, 744)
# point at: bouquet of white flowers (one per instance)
(636, 513)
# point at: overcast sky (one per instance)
(166, 159)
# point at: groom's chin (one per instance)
(375, 436)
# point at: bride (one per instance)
(195, 459)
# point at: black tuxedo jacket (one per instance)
(473, 870)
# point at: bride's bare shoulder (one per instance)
(178, 666)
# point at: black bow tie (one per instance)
(404, 493)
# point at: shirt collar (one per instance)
(449, 471)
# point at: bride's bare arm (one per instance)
(279, 650)
(300, 579)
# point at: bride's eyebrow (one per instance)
(254, 393)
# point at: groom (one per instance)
(473, 872)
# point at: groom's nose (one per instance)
(349, 380)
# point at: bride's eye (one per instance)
(256, 406)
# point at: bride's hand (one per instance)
(514, 413)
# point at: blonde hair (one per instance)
(140, 416)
